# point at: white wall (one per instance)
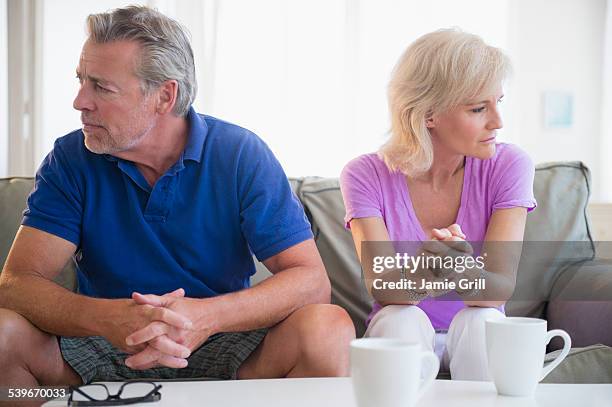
(310, 77)
(557, 45)
(330, 114)
(3, 91)
(554, 44)
(606, 120)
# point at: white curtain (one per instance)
(310, 76)
(3, 90)
(606, 114)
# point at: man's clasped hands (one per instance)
(159, 330)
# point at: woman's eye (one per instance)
(478, 109)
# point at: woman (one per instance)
(442, 176)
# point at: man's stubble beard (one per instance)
(112, 144)
(109, 145)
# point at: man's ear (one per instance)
(167, 94)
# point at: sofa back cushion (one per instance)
(13, 195)
(557, 235)
(323, 203)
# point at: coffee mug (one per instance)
(515, 352)
(387, 372)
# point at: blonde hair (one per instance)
(438, 72)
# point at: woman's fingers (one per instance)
(455, 230)
(441, 234)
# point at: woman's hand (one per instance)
(446, 242)
(452, 232)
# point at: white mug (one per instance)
(387, 372)
(515, 352)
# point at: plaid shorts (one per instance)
(95, 359)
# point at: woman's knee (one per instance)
(476, 316)
(402, 321)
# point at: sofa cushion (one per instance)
(562, 190)
(592, 364)
(13, 193)
(13, 196)
(557, 229)
(581, 291)
(323, 202)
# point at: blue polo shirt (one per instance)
(226, 198)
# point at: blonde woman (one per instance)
(443, 176)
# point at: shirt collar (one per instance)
(197, 134)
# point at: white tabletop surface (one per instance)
(338, 392)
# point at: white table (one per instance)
(338, 392)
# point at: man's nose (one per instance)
(83, 99)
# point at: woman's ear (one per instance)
(429, 120)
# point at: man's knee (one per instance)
(14, 331)
(31, 353)
(324, 334)
(321, 325)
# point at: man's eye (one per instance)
(101, 89)
(478, 109)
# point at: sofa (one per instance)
(559, 223)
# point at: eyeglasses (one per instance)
(129, 393)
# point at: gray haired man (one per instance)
(162, 209)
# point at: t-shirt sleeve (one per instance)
(514, 187)
(360, 191)
(271, 217)
(55, 204)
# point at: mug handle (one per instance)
(567, 344)
(434, 364)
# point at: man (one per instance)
(162, 209)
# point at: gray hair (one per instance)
(165, 50)
(438, 72)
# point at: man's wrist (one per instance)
(100, 315)
(205, 311)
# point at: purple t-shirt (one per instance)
(370, 189)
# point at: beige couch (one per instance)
(562, 191)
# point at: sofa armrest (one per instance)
(581, 304)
